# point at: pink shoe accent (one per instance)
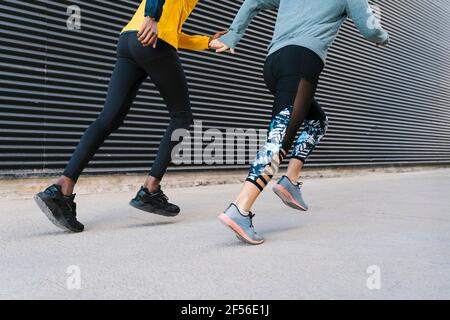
(237, 229)
(286, 196)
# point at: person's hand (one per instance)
(216, 36)
(220, 46)
(148, 35)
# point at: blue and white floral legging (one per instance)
(271, 154)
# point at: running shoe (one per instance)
(241, 224)
(59, 209)
(290, 194)
(154, 202)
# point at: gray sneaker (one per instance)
(290, 193)
(241, 225)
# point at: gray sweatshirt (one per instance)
(313, 24)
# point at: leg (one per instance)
(123, 87)
(315, 128)
(57, 201)
(163, 66)
(274, 151)
(266, 163)
(292, 75)
(168, 75)
(263, 169)
(280, 88)
(287, 188)
(294, 169)
(302, 106)
(285, 73)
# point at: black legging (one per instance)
(283, 71)
(134, 64)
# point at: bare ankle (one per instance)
(67, 185)
(152, 184)
(294, 170)
(243, 206)
(293, 178)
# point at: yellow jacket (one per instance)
(175, 14)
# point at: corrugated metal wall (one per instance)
(385, 106)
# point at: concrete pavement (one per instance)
(397, 222)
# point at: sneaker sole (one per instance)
(287, 198)
(48, 213)
(153, 211)
(238, 230)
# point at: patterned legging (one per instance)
(271, 153)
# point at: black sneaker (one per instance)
(154, 202)
(59, 209)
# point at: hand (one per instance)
(220, 47)
(148, 35)
(216, 36)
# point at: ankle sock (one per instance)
(243, 212)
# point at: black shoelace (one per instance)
(163, 197)
(68, 202)
(72, 206)
(251, 216)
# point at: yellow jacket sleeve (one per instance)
(186, 41)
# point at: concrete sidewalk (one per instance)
(399, 222)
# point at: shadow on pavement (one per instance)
(151, 224)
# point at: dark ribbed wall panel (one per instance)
(385, 106)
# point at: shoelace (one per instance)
(74, 209)
(72, 206)
(251, 216)
(163, 196)
(68, 201)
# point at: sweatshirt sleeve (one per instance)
(193, 42)
(365, 20)
(154, 9)
(248, 11)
